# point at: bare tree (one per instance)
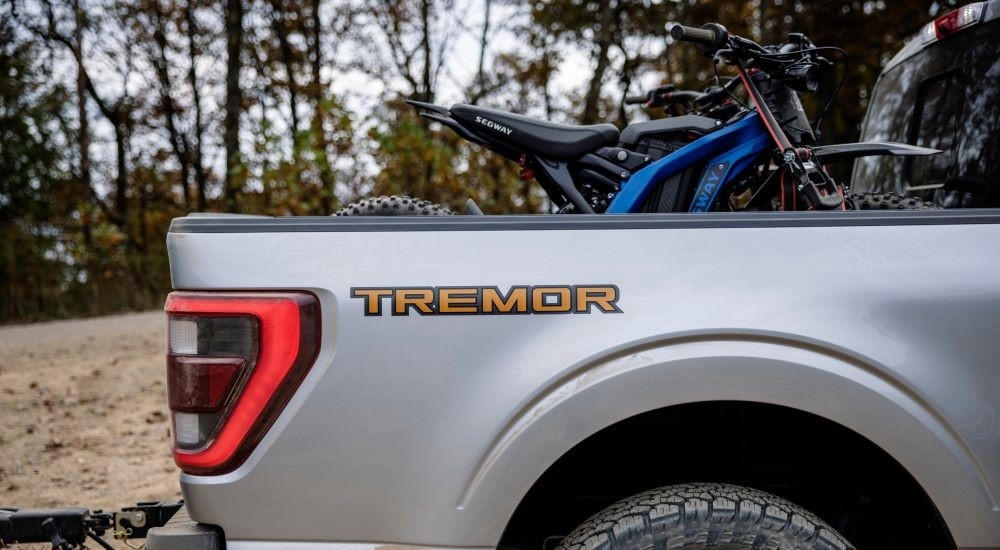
(117, 111)
(417, 50)
(235, 171)
(179, 142)
(287, 56)
(320, 145)
(200, 175)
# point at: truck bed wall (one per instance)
(429, 429)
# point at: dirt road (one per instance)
(83, 416)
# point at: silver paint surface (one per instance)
(428, 430)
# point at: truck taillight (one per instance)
(233, 362)
(950, 22)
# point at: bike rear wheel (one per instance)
(394, 205)
(889, 201)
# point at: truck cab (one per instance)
(942, 90)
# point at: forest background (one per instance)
(117, 116)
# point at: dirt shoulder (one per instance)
(84, 415)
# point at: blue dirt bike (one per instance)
(727, 157)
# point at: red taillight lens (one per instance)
(950, 22)
(233, 361)
(946, 24)
(201, 384)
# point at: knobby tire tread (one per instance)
(394, 205)
(890, 201)
(704, 515)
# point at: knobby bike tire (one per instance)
(394, 205)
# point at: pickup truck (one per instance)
(812, 380)
(747, 380)
(793, 380)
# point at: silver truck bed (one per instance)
(429, 429)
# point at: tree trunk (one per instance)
(178, 140)
(605, 38)
(278, 24)
(285, 49)
(320, 145)
(234, 104)
(426, 93)
(480, 70)
(83, 133)
(200, 177)
(117, 115)
(121, 179)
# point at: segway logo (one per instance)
(488, 300)
(494, 125)
(709, 186)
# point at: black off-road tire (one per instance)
(890, 201)
(396, 205)
(704, 515)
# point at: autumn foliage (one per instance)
(118, 115)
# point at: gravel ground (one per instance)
(83, 414)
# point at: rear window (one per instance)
(946, 97)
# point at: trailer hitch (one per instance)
(135, 522)
(69, 528)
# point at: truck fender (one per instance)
(784, 370)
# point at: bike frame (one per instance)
(726, 153)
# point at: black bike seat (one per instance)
(547, 139)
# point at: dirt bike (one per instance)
(726, 157)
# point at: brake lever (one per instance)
(657, 97)
(747, 44)
(726, 56)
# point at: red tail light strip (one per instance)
(289, 341)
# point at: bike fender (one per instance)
(849, 151)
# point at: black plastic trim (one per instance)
(183, 533)
(686, 123)
(596, 222)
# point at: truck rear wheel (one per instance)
(704, 515)
(395, 205)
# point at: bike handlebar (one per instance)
(710, 38)
(664, 96)
(692, 34)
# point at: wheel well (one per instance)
(820, 465)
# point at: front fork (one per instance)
(804, 174)
(810, 179)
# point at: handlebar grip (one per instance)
(633, 99)
(692, 34)
(710, 38)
